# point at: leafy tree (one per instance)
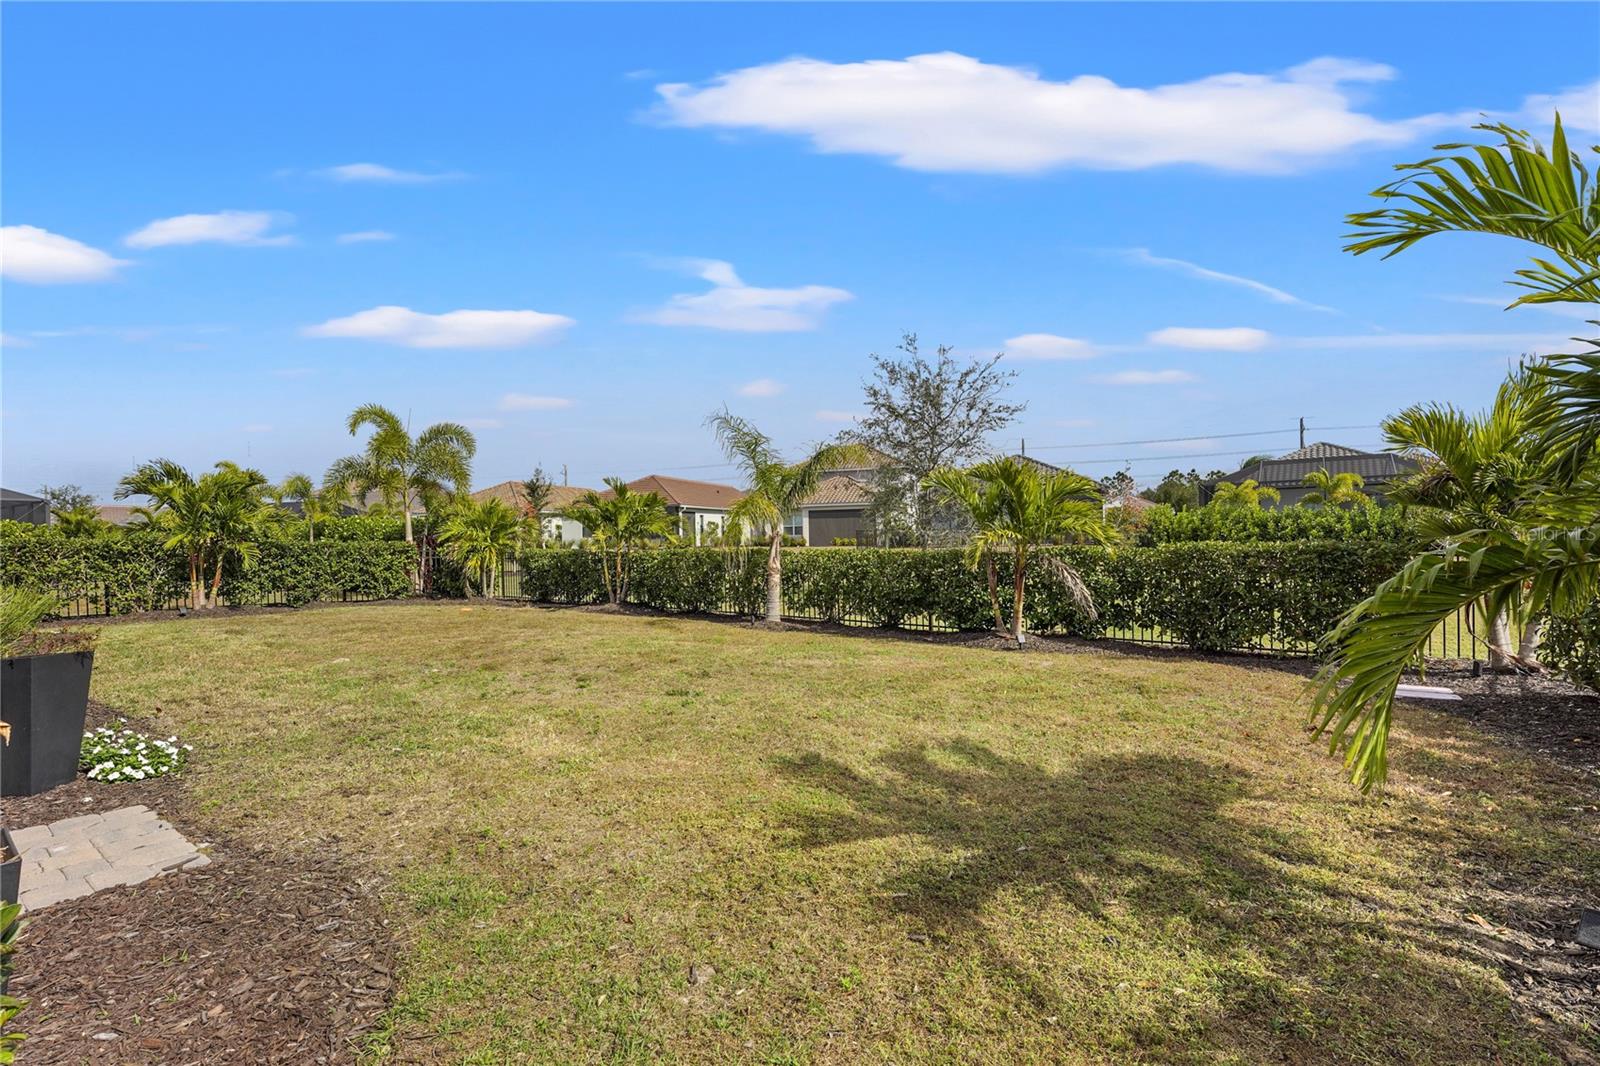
(209, 518)
(1117, 485)
(1336, 490)
(424, 470)
(66, 497)
(1179, 490)
(923, 415)
(1552, 560)
(1245, 496)
(478, 535)
(535, 491)
(776, 488)
(81, 521)
(1019, 508)
(618, 521)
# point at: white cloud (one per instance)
(952, 112)
(223, 227)
(762, 388)
(1048, 346)
(453, 329)
(522, 401)
(377, 173)
(1195, 270)
(364, 236)
(1579, 107)
(836, 416)
(28, 253)
(1229, 339)
(1146, 377)
(733, 305)
(8, 341)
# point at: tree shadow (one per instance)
(1143, 845)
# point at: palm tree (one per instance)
(1551, 559)
(1334, 489)
(209, 518)
(1021, 508)
(478, 536)
(313, 505)
(425, 470)
(619, 520)
(1245, 496)
(776, 488)
(981, 502)
(80, 522)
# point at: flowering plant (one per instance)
(110, 754)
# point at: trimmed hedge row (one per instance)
(1211, 597)
(1162, 525)
(133, 571)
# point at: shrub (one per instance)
(1162, 525)
(122, 755)
(1211, 597)
(1571, 645)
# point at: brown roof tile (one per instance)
(681, 492)
(510, 493)
(839, 489)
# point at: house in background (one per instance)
(24, 507)
(1288, 473)
(700, 507)
(556, 526)
(118, 514)
(838, 509)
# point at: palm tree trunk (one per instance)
(1499, 642)
(1016, 601)
(409, 538)
(1528, 647)
(622, 575)
(775, 578)
(216, 581)
(194, 582)
(994, 593)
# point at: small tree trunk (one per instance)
(1016, 602)
(994, 593)
(311, 531)
(775, 578)
(1528, 648)
(216, 581)
(1499, 642)
(622, 575)
(195, 602)
(409, 538)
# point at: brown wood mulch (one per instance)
(260, 957)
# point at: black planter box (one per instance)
(45, 697)
(10, 868)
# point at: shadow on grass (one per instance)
(1143, 846)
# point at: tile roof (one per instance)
(1374, 468)
(682, 492)
(1131, 503)
(510, 493)
(839, 489)
(1039, 464)
(1323, 450)
(118, 514)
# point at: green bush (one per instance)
(1212, 597)
(134, 571)
(1163, 525)
(1571, 645)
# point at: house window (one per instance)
(794, 525)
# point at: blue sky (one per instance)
(226, 226)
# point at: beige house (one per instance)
(556, 527)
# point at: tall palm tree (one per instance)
(478, 536)
(1335, 490)
(619, 520)
(1552, 561)
(1247, 495)
(423, 470)
(209, 518)
(776, 488)
(1022, 508)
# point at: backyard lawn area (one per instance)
(631, 838)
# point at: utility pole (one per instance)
(1024, 447)
(1302, 431)
(563, 475)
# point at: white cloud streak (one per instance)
(39, 257)
(1145, 257)
(762, 388)
(453, 329)
(365, 236)
(1227, 339)
(378, 174)
(1048, 346)
(954, 113)
(222, 227)
(730, 304)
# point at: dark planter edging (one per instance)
(45, 699)
(10, 868)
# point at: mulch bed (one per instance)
(258, 957)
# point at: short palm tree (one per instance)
(315, 504)
(1247, 495)
(1335, 490)
(209, 518)
(478, 536)
(776, 488)
(80, 521)
(409, 471)
(980, 500)
(619, 520)
(1551, 559)
(1022, 508)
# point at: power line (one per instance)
(1202, 436)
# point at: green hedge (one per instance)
(1162, 525)
(1571, 645)
(132, 571)
(1212, 597)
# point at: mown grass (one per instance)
(880, 850)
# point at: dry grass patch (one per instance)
(622, 838)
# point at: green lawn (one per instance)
(880, 850)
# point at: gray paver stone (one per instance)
(31, 837)
(44, 897)
(67, 825)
